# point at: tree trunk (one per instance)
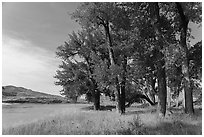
(74, 99)
(183, 101)
(152, 97)
(134, 98)
(123, 83)
(95, 91)
(147, 99)
(161, 74)
(162, 89)
(187, 90)
(120, 94)
(185, 64)
(153, 92)
(122, 99)
(110, 50)
(96, 100)
(168, 97)
(96, 95)
(150, 91)
(118, 101)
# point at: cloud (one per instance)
(46, 27)
(24, 64)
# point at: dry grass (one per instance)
(109, 122)
(77, 123)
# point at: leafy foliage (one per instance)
(140, 43)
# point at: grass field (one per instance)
(80, 119)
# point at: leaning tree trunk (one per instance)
(150, 90)
(119, 96)
(185, 64)
(161, 74)
(134, 98)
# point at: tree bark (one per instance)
(134, 98)
(96, 100)
(162, 89)
(110, 50)
(74, 99)
(153, 92)
(120, 94)
(95, 91)
(168, 97)
(185, 64)
(150, 91)
(161, 74)
(123, 83)
(152, 96)
(96, 95)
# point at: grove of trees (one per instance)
(132, 51)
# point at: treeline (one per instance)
(132, 51)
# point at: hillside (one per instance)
(12, 94)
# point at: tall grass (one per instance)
(77, 123)
(101, 122)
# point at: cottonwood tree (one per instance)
(187, 12)
(147, 15)
(85, 46)
(136, 45)
(195, 61)
(167, 10)
(73, 80)
(111, 19)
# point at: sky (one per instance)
(31, 32)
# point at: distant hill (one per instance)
(12, 94)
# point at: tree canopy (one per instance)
(131, 51)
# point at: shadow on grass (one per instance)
(144, 108)
(179, 124)
(198, 112)
(141, 111)
(176, 128)
(145, 105)
(102, 108)
(79, 102)
(164, 128)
